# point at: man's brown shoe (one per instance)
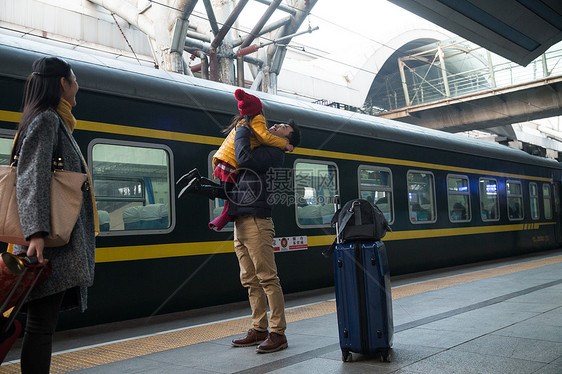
(274, 342)
(253, 337)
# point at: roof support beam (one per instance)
(129, 13)
(165, 25)
(228, 23)
(284, 8)
(276, 53)
(254, 33)
(212, 18)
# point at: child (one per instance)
(250, 108)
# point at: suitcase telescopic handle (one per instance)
(337, 206)
(23, 298)
(31, 260)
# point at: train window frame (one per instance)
(534, 197)
(432, 203)
(378, 188)
(498, 213)
(468, 210)
(229, 227)
(171, 186)
(550, 199)
(514, 196)
(296, 198)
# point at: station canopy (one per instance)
(519, 30)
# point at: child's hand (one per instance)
(289, 147)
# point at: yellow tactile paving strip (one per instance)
(113, 352)
(436, 284)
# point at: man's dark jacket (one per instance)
(249, 195)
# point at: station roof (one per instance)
(519, 30)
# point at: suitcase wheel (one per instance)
(386, 356)
(346, 355)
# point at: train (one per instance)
(450, 199)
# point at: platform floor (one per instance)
(495, 317)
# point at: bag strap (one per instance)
(347, 216)
(58, 163)
(328, 252)
(57, 154)
(335, 217)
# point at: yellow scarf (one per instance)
(64, 110)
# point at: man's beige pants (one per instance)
(253, 244)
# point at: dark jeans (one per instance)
(42, 317)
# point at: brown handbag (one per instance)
(65, 196)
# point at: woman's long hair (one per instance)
(238, 118)
(42, 90)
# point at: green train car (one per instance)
(451, 200)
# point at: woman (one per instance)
(49, 97)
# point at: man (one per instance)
(253, 237)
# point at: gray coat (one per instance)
(73, 263)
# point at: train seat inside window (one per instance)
(458, 213)
(489, 213)
(315, 214)
(103, 218)
(384, 206)
(148, 217)
(385, 209)
(418, 213)
(309, 215)
(131, 218)
(514, 209)
(154, 216)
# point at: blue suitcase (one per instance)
(363, 299)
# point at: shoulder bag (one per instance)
(358, 220)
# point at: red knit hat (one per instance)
(248, 105)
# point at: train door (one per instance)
(557, 212)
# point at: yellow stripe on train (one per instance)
(154, 251)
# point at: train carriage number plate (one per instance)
(290, 243)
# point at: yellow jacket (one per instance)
(260, 136)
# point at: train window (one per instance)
(534, 200)
(217, 205)
(489, 204)
(514, 200)
(547, 201)
(421, 197)
(132, 186)
(458, 195)
(316, 185)
(5, 150)
(375, 185)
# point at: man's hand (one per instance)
(289, 147)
